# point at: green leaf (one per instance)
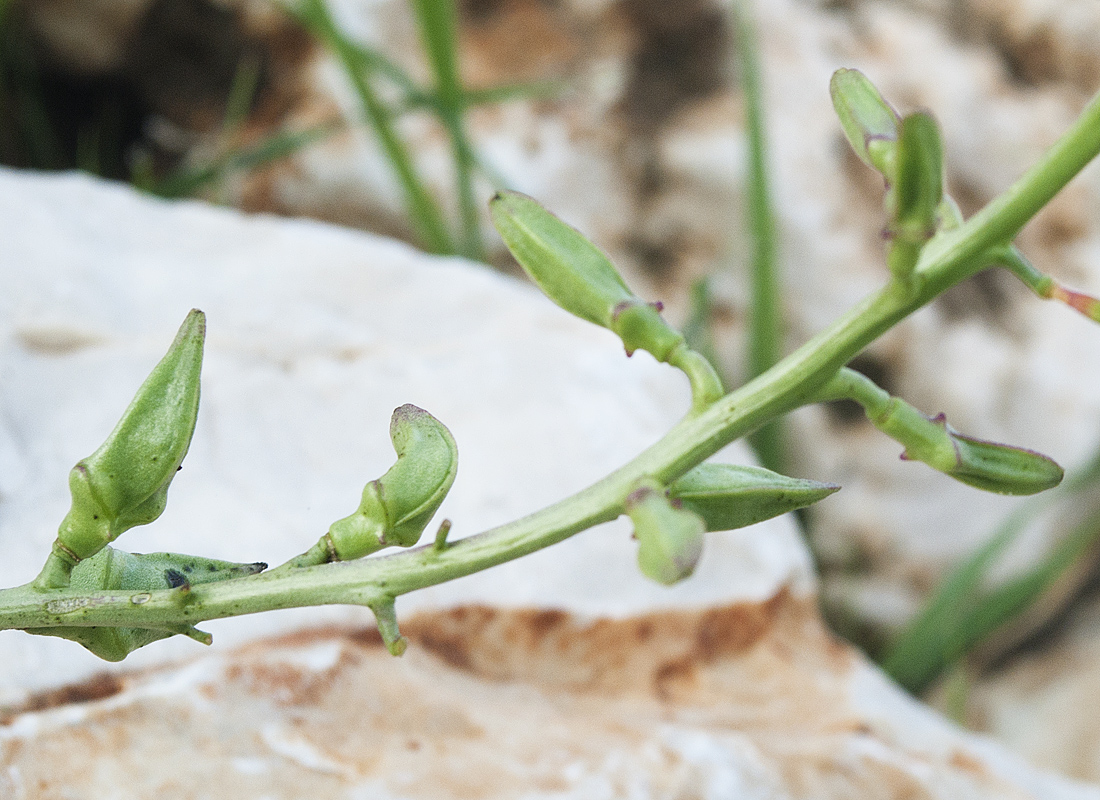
(731, 496)
(869, 122)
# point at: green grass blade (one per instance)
(424, 212)
(438, 23)
(242, 94)
(188, 181)
(960, 615)
(535, 90)
(765, 323)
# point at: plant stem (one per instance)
(945, 261)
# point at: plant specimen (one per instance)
(113, 602)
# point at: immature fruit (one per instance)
(125, 482)
(869, 122)
(117, 569)
(573, 273)
(396, 508)
(670, 539)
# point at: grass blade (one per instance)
(424, 212)
(960, 615)
(438, 23)
(188, 181)
(765, 323)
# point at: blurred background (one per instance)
(695, 142)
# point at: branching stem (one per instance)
(947, 259)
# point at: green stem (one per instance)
(790, 383)
(999, 222)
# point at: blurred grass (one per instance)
(361, 68)
(963, 613)
(765, 334)
(447, 99)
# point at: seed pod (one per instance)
(989, 466)
(917, 191)
(573, 273)
(396, 508)
(568, 268)
(1002, 468)
(730, 496)
(670, 539)
(869, 122)
(125, 482)
(118, 570)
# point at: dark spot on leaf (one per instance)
(175, 578)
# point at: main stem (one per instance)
(946, 260)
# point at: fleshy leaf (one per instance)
(869, 122)
(730, 496)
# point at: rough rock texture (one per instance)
(742, 701)
(315, 335)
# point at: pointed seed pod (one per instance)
(670, 539)
(869, 122)
(1002, 468)
(114, 569)
(917, 191)
(396, 508)
(989, 466)
(730, 496)
(125, 482)
(572, 272)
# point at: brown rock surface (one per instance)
(745, 701)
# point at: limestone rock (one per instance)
(315, 335)
(744, 700)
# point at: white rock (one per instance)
(315, 335)
(743, 701)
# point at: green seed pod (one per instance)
(125, 482)
(573, 273)
(917, 191)
(568, 268)
(869, 122)
(1000, 468)
(915, 198)
(396, 508)
(118, 570)
(670, 539)
(984, 465)
(730, 496)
